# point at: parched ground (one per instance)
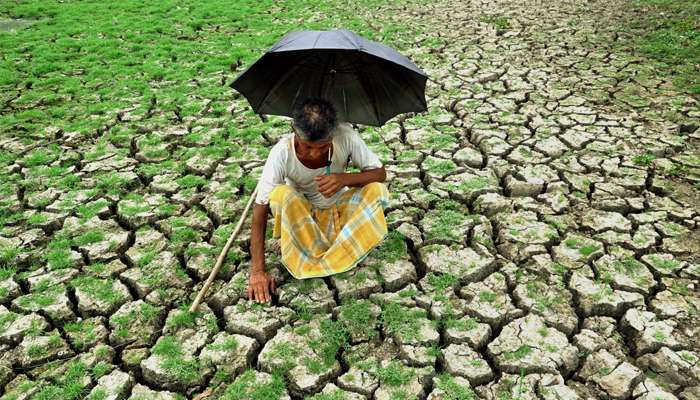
(544, 227)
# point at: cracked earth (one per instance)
(544, 243)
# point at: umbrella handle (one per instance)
(222, 256)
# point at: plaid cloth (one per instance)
(320, 242)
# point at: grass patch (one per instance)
(441, 282)
(334, 336)
(521, 352)
(487, 296)
(247, 387)
(587, 250)
(394, 374)
(357, 316)
(443, 222)
(101, 289)
(668, 31)
(228, 344)
(439, 166)
(183, 318)
(334, 395)
(68, 386)
(462, 325)
(90, 237)
(184, 369)
(452, 390)
(644, 159)
(43, 295)
(397, 319)
(393, 248)
(108, 56)
(81, 333)
(498, 21)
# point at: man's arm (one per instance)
(359, 179)
(257, 236)
(329, 185)
(261, 284)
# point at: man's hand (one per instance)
(261, 286)
(328, 185)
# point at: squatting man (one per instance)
(327, 220)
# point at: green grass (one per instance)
(334, 395)
(441, 282)
(445, 217)
(286, 353)
(397, 319)
(452, 390)
(519, 353)
(357, 316)
(6, 273)
(664, 263)
(183, 318)
(542, 300)
(68, 386)
(487, 296)
(500, 22)
(246, 387)
(668, 31)
(462, 325)
(393, 248)
(334, 336)
(6, 319)
(587, 250)
(123, 322)
(394, 374)
(100, 369)
(43, 295)
(229, 344)
(644, 159)
(475, 183)
(82, 332)
(101, 289)
(174, 362)
(91, 59)
(440, 167)
(8, 257)
(88, 238)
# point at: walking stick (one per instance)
(222, 256)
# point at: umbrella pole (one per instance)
(222, 256)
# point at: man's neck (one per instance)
(309, 162)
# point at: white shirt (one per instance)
(282, 166)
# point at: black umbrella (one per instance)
(367, 82)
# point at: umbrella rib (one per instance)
(275, 86)
(368, 92)
(323, 75)
(416, 94)
(350, 38)
(275, 48)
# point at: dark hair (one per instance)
(315, 118)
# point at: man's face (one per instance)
(312, 150)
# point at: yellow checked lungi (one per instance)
(320, 242)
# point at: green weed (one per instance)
(500, 22)
(668, 31)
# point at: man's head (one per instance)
(314, 120)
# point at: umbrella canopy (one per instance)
(367, 82)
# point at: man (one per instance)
(327, 220)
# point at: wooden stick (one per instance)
(222, 256)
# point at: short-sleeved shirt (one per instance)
(283, 166)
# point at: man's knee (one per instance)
(281, 192)
(377, 190)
